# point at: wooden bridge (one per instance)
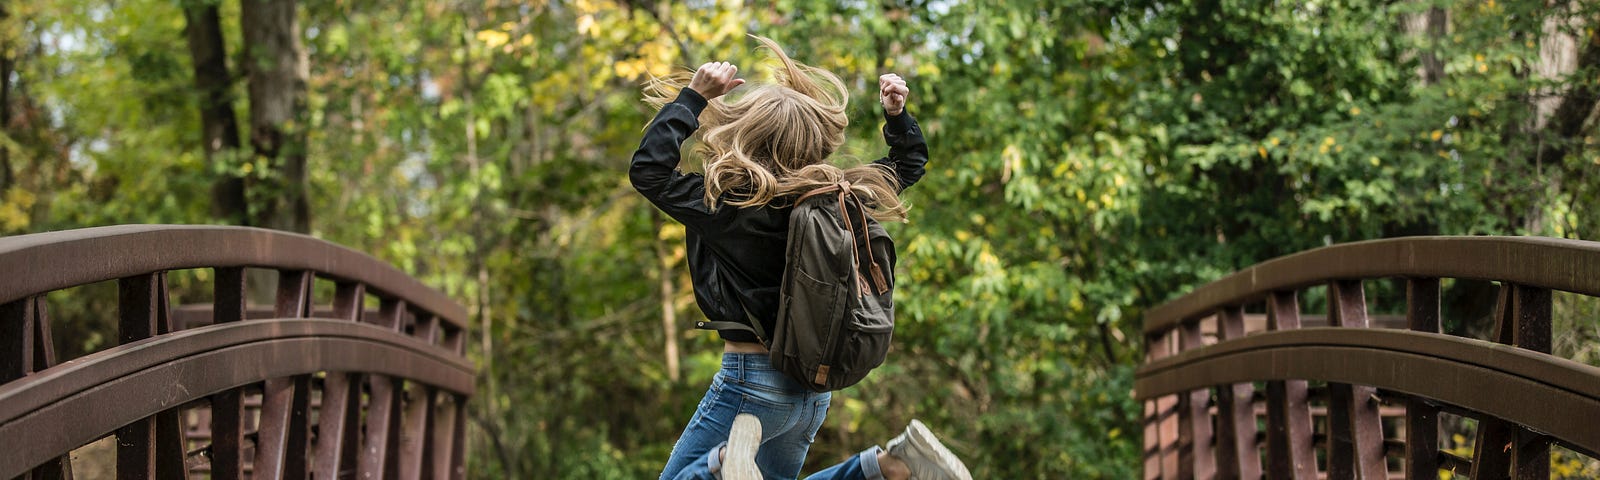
(1354, 400)
(371, 382)
(331, 389)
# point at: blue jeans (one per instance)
(790, 416)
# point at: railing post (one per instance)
(1355, 432)
(1160, 425)
(136, 305)
(1522, 319)
(227, 406)
(339, 420)
(282, 449)
(1531, 312)
(1289, 452)
(1167, 414)
(28, 348)
(1237, 454)
(449, 441)
(1195, 457)
(1422, 417)
(380, 449)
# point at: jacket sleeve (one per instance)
(654, 170)
(908, 151)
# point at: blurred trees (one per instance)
(1091, 159)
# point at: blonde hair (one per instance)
(771, 144)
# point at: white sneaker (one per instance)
(925, 456)
(740, 460)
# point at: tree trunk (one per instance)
(277, 68)
(669, 310)
(1432, 25)
(1560, 118)
(219, 128)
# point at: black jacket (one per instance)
(736, 254)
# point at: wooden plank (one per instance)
(427, 327)
(339, 421)
(417, 441)
(227, 435)
(294, 294)
(281, 447)
(1491, 455)
(1531, 315)
(169, 424)
(16, 339)
(391, 314)
(282, 443)
(1167, 417)
(348, 299)
(380, 449)
(454, 340)
(458, 441)
(1289, 446)
(339, 424)
(1422, 417)
(1237, 454)
(137, 315)
(227, 407)
(443, 437)
(1152, 441)
(37, 353)
(1195, 457)
(1355, 449)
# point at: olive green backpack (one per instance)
(835, 306)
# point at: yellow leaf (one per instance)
(1436, 135)
(1355, 111)
(1262, 151)
(493, 38)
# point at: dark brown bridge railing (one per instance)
(349, 394)
(1200, 398)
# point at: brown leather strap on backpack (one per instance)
(842, 189)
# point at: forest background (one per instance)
(1090, 159)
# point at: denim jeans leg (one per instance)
(861, 466)
(708, 428)
(790, 416)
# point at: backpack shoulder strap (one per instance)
(837, 187)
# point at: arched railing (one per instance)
(1200, 400)
(347, 394)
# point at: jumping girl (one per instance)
(760, 152)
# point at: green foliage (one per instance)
(1091, 159)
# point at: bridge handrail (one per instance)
(1199, 394)
(64, 259)
(92, 397)
(387, 388)
(1540, 391)
(1552, 263)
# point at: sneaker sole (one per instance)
(742, 443)
(922, 439)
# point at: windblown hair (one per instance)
(771, 144)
